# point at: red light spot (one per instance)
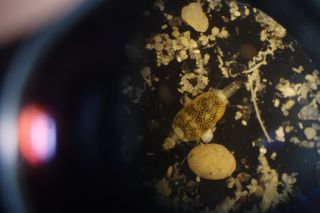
(37, 134)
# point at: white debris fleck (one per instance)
(160, 5)
(133, 92)
(310, 133)
(238, 115)
(309, 112)
(215, 31)
(286, 88)
(287, 106)
(204, 40)
(316, 126)
(246, 11)
(305, 144)
(289, 129)
(273, 155)
(311, 144)
(300, 125)
(263, 150)
(223, 34)
(313, 80)
(295, 140)
(168, 16)
(231, 182)
(150, 154)
(164, 26)
(276, 102)
(194, 16)
(244, 122)
(148, 77)
(263, 35)
(298, 69)
(225, 19)
(215, 5)
(280, 135)
(169, 171)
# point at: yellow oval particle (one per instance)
(194, 16)
(211, 161)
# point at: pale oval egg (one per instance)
(211, 161)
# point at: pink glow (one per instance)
(19, 18)
(37, 135)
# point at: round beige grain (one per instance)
(211, 161)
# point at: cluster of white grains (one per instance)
(287, 106)
(244, 111)
(134, 93)
(169, 47)
(159, 4)
(149, 78)
(175, 182)
(298, 69)
(306, 96)
(235, 10)
(269, 186)
(201, 82)
(179, 46)
(214, 5)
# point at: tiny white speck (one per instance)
(263, 150)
